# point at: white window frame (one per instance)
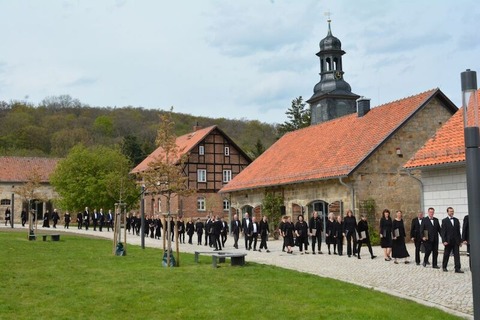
(201, 150)
(201, 175)
(226, 205)
(159, 206)
(227, 151)
(227, 175)
(201, 204)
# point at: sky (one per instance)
(243, 59)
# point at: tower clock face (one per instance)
(338, 75)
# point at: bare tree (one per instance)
(165, 174)
(30, 191)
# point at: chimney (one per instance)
(363, 106)
(196, 127)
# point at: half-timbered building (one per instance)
(213, 159)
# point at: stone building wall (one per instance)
(7, 189)
(382, 177)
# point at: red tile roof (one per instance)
(331, 149)
(447, 146)
(19, 169)
(185, 143)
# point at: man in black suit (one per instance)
(109, 220)
(95, 219)
(101, 219)
(416, 235)
(253, 229)
(451, 240)
(235, 227)
(430, 229)
(245, 227)
(465, 233)
(86, 218)
(208, 224)
(217, 231)
(199, 229)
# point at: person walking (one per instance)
(288, 230)
(316, 228)
(301, 231)
(67, 220)
(350, 233)
(330, 233)
(235, 227)
(264, 231)
(199, 229)
(339, 231)
(46, 220)
(452, 240)
(416, 235)
(386, 234)
(363, 236)
(399, 250)
(430, 230)
(190, 228)
(23, 216)
(8, 215)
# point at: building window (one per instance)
(5, 202)
(226, 205)
(159, 205)
(201, 150)
(227, 151)
(227, 175)
(202, 175)
(201, 204)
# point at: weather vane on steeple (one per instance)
(328, 14)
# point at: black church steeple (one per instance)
(332, 96)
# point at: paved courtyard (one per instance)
(447, 291)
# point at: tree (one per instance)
(165, 174)
(132, 149)
(271, 207)
(298, 115)
(30, 191)
(96, 177)
(259, 149)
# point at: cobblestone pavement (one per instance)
(448, 291)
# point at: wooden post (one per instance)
(176, 242)
(124, 229)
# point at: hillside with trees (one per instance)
(57, 124)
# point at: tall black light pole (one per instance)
(472, 157)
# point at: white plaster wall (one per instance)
(443, 188)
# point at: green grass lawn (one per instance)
(79, 278)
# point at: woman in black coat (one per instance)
(350, 226)
(190, 228)
(339, 234)
(301, 231)
(386, 234)
(287, 232)
(399, 250)
(330, 233)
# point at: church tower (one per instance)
(332, 96)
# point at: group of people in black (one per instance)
(97, 218)
(337, 229)
(251, 230)
(427, 231)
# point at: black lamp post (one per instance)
(472, 157)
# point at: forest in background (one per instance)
(54, 126)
